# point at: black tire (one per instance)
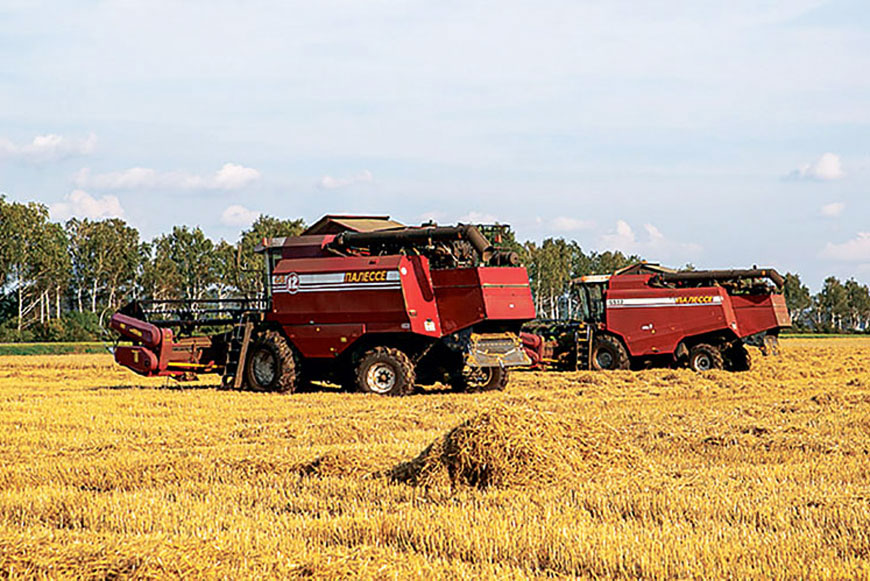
(385, 371)
(482, 379)
(737, 358)
(272, 365)
(704, 357)
(608, 354)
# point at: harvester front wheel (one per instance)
(272, 365)
(704, 357)
(608, 354)
(385, 371)
(481, 379)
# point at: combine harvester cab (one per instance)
(646, 315)
(356, 300)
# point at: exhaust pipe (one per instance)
(768, 273)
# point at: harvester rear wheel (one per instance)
(385, 371)
(737, 358)
(272, 365)
(608, 353)
(481, 379)
(704, 357)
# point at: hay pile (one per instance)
(355, 462)
(518, 447)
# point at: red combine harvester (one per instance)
(361, 301)
(646, 315)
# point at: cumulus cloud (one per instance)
(81, 204)
(826, 168)
(653, 246)
(49, 147)
(231, 176)
(568, 224)
(833, 209)
(331, 183)
(855, 250)
(238, 216)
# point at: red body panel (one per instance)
(469, 295)
(756, 313)
(323, 340)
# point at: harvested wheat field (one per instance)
(653, 474)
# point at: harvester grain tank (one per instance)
(647, 315)
(361, 301)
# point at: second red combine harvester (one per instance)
(646, 315)
(360, 301)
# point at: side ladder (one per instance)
(240, 339)
(582, 355)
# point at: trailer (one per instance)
(646, 315)
(360, 301)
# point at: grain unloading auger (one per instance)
(646, 315)
(356, 300)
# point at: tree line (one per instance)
(838, 307)
(60, 281)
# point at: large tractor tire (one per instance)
(385, 371)
(482, 379)
(608, 354)
(737, 358)
(704, 357)
(272, 365)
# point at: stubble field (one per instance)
(653, 474)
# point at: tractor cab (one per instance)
(589, 296)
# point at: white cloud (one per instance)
(331, 183)
(477, 218)
(238, 216)
(49, 147)
(855, 250)
(655, 246)
(568, 224)
(826, 168)
(233, 176)
(833, 209)
(230, 177)
(81, 204)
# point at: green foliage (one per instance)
(251, 267)
(182, 266)
(26, 348)
(797, 298)
(107, 258)
(10, 333)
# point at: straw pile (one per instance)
(517, 447)
(352, 462)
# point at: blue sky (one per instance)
(718, 133)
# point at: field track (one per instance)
(653, 474)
